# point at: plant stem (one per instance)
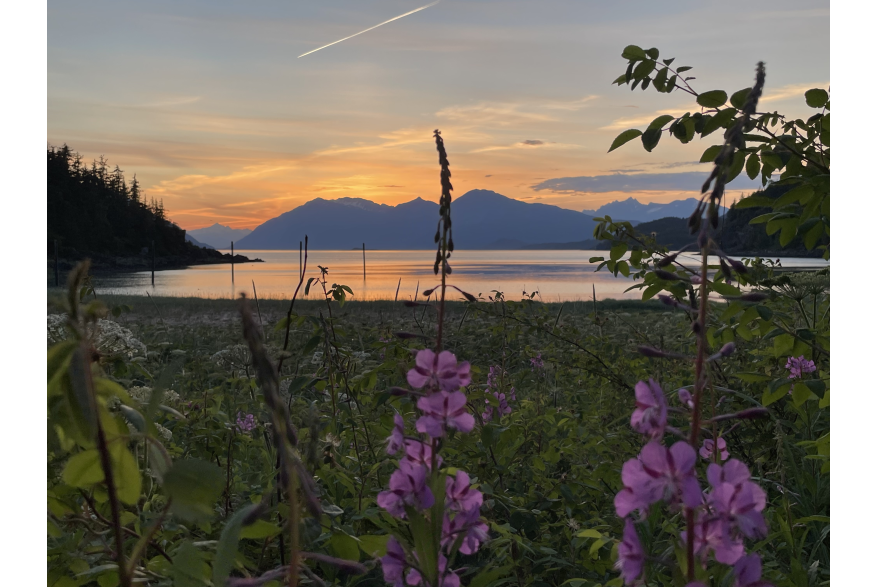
(698, 393)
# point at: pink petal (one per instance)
(430, 425)
(684, 457)
(416, 379)
(446, 361)
(463, 422)
(425, 360)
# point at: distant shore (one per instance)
(106, 264)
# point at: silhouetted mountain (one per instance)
(734, 234)
(197, 243)
(219, 236)
(632, 210)
(481, 220)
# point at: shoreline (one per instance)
(110, 265)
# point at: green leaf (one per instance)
(227, 547)
(126, 473)
(720, 120)
(643, 69)
(260, 530)
(725, 289)
(738, 98)
(682, 69)
(194, 485)
(374, 545)
(801, 393)
(633, 52)
(653, 53)
(661, 121)
(83, 469)
(590, 533)
(650, 138)
(625, 137)
(189, 568)
(660, 81)
(753, 377)
(825, 401)
(770, 397)
(816, 98)
(801, 193)
(344, 546)
(488, 576)
(710, 154)
(712, 99)
(753, 166)
(754, 202)
(617, 251)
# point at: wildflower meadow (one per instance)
(471, 438)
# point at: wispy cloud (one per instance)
(642, 182)
(791, 91)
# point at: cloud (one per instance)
(498, 113)
(642, 182)
(637, 121)
(534, 142)
(791, 91)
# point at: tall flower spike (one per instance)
(408, 487)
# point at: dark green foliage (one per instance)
(94, 211)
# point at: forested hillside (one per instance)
(93, 211)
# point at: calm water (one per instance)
(556, 275)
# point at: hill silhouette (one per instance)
(482, 220)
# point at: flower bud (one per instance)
(666, 275)
(666, 260)
(738, 266)
(754, 296)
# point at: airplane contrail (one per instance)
(372, 28)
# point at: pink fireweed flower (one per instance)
(714, 535)
(736, 499)
(438, 371)
(393, 563)
(444, 410)
(659, 474)
(630, 554)
(748, 572)
(446, 578)
(397, 436)
(245, 423)
(797, 366)
(420, 453)
(408, 487)
(537, 362)
(459, 494)
(706, 451)
(504, 408)
(650, 415)
(468, 525)
(742, 506)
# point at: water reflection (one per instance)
(556, 275)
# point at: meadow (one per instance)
(678, 440)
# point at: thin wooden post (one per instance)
(299, 260)
(153, 263)
(57, 274)
(398, 285)
(232, 262)
(363, 261)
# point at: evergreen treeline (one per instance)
(94, 211)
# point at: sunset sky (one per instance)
(209, 104)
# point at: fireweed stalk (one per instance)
(718, 519)
(442, 511)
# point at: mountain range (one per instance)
(482, 219)
(219, 236)
(633, 210)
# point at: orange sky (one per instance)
(215, 114)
